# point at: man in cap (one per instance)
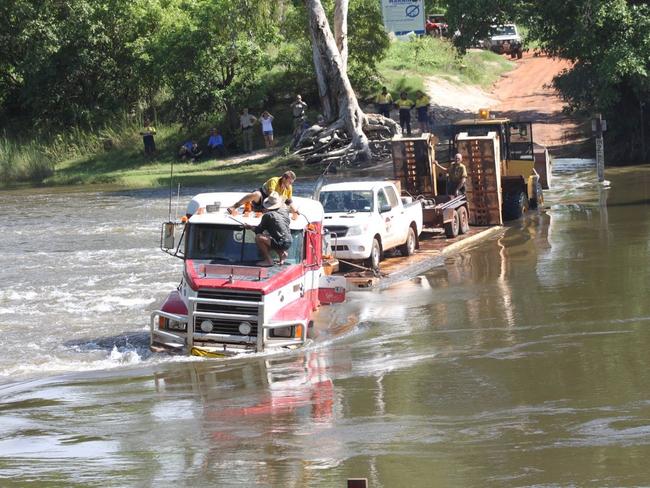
(456, 175)
(283, 185)
(273, 232)
(298, 108)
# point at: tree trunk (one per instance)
(327, 102)
(341, 30)
(328, 60)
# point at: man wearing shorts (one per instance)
(273, 233)
(266, 119)
(283, 185)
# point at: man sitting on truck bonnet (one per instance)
(280, 184)
(273, 232)
(456, 175)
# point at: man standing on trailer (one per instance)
(456, 175)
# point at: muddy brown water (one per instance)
(521, 361)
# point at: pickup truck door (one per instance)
(388, 219)
(400, 220)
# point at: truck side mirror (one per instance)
(168, 235)
(385, 208)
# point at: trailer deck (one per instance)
(434, 246)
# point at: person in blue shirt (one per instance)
(215, 143)
(185, 151)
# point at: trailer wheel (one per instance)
(463, 220)
(452, 228)
(538, 198)
(515, 205)
(375, 255)
(408, 248)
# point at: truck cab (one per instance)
(225, 304)
(366, 218)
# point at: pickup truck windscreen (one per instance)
(345, 201)
(232, 245)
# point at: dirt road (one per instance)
(522, 94)
(526, 94)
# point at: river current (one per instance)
(521, 361)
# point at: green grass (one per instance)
(408, 63)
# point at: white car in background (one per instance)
(366, 218)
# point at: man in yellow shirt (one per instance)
(405, 105)
(283, 185)
(422, 107)
(383, 101)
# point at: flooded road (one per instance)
(522, 361)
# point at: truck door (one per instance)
(387, 196)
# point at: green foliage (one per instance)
(408, 62)
(23, 162)
(609, 43)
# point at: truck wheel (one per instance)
(520, 54)
(375, 256)
(515, 205)
(538, 199)
(408, 248)
(463, 221)
(451, 228)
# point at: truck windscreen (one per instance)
(345, 201)
(232, 245)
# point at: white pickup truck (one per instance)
(366, 218)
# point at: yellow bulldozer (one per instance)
(503, 153)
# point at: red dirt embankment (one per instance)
(526, 93)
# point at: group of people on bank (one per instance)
(190, 150)
(404, 104)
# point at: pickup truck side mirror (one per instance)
(385, 208)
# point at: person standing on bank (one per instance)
(456, 175)
(298, 108)
(246, 122)
(273, 232)
(404, 105)
(422, 108)
(147, 138)
(266, 120)
(384, 101)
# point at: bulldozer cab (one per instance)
(515, 138)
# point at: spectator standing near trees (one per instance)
(383, 101)
(246, 122)
(422, 108)
(266, 120)
(298, 108)
(215, 143)
(147, 138)
(405, 105)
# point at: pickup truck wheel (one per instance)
(520, 54)
(375, 255)
(408, 248)
(463, 220)
(451, 228)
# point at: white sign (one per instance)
(403, 16)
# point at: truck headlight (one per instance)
(207, 326)
(245, 328)
(357, 230)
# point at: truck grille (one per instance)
(232, 306)
(337, 230)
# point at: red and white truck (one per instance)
(225, 304)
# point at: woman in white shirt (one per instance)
(267, 128)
